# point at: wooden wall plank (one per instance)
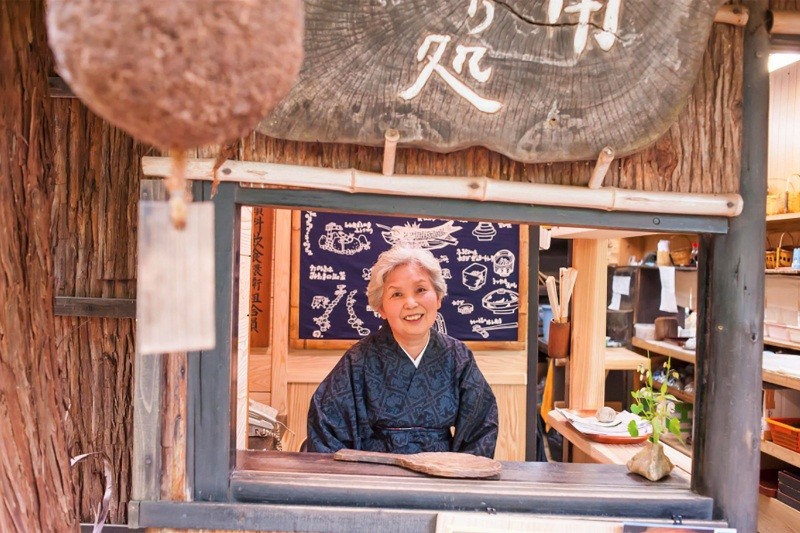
(281, 277)
(506, 374)
(784, 125)
(147, 401)
(243, 358)
(299, 398)
(259, 373)
(511, 409)
(173, 485)
(294, 296)
(95, 307)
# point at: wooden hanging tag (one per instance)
(175, 279)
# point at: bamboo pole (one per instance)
(601, 167)
(733, 15)
(783, 22)
(478, 189)
(389, 150)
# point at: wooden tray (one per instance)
(605, 439)
(612, 439)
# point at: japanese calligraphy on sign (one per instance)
(549, 80)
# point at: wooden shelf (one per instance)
(784, 380)
(779, 452)
(775, 516)
(785, 217)
(679, 394)
(684, 268)
(613, 453)
(789, 345)
(665, 348)
(783, 271)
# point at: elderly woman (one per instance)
(405, 388)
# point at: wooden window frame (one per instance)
(211, 463)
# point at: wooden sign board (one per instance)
(540, 81)
(175, 280)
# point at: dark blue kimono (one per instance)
(376, 399)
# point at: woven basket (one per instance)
(681, 252)
(793, 193)
(776, 201)
(780, 256)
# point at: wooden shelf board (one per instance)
(679, 394)
(782, 343)
(775, 516)
(779, 452)
(783, 271)
(624, 359)
(784, 217)
(655, 267)
(665, 348)
(783, 380)
(614, 453)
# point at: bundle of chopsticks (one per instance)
(559, 296)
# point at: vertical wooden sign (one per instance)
(175, 280)
(261, 257)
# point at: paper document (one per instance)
(589, 425)
(668, 302)
(620, 286)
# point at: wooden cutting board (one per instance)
(442, 464)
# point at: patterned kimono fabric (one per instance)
(376, 399)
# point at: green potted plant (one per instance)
(657, 406)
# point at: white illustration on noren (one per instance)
(440, 326)
(412, 235)
(503, 263)
(309, 215)
(318, 302)
(365, 274)
(465, 309)
(336, 240)
(355, 322)
(484, 231)
(474, 276)
(501, 301)
(323, 321)
(446, 273)
(483, 331)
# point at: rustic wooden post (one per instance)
(211, 382)
(587, 369)
(531, 404)
(725, 463)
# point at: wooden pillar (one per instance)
(588, 317)
(212, 374)
(531, 403)
(725, 463)
(281, 276)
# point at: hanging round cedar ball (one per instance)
(178, 73)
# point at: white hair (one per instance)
(399, 256)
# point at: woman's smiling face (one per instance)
(409, 303)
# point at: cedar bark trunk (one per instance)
(34, 472)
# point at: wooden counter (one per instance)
(551, 488)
